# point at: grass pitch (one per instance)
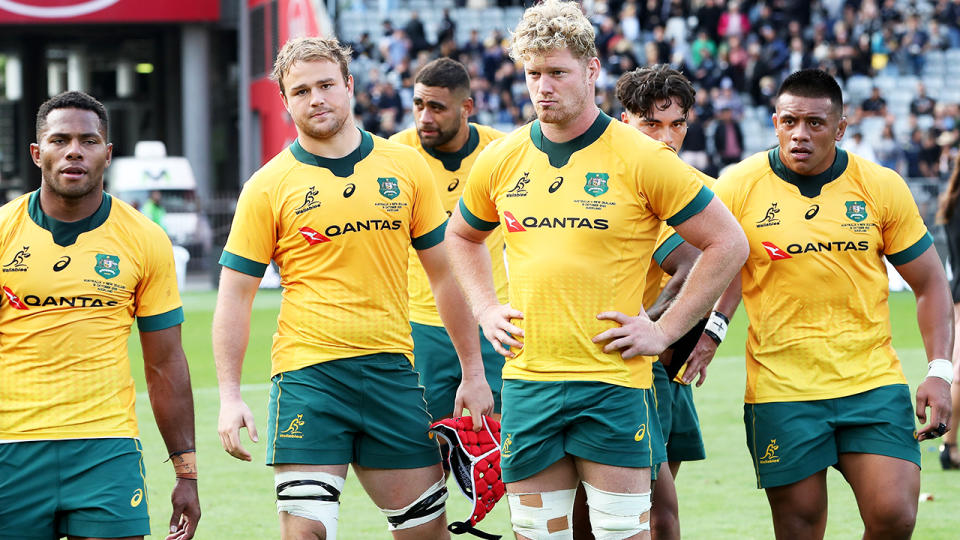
(718, 498)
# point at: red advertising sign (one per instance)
(107, 11)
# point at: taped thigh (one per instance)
(311, 495)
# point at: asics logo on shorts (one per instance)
(137, 498)
(638, 436)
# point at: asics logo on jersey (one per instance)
(293, 430)
(13, 300)
(638, 436)
(309, 201)
(348, 191)
(770, 218)
(137, 498)
(519, 189)
(312, 237)
(775, 253)
(62, 263)
(453, 185)
(555, 185)
(812, 212)
(17, 264)
(513, 225)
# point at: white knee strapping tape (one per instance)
(298, 491)
(615, 516)
(428, 507)
(543, 516)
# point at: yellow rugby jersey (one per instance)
(815, 286)
(579, 221)
(450, 171)
(70, 295)
(339, 229)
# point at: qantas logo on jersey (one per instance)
(533, 222)
(313, 237)
(512, 223)
(18, 264)
(15, 302)
(774, 252)
(60, 301)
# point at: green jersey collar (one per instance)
(66, 233)
(809, 186)
(341, 167)
(559, 153)
(452, 160)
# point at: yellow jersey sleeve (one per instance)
(158, 298)
(253, 233)
(905, 237)
(428, 218)
(477, 204)
(673, 190)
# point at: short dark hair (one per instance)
(813, 83)
(71, 100)
(445, 73)
(639, 90)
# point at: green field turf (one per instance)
(718, 499)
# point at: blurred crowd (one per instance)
(735, 52)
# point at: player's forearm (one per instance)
(730, 298)
(667, 296)
(471, 266)
(168, 386)
(935, 319)
(231, 329)
(460, 324)
(710, 276)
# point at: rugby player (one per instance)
(581, 198)
(449, 144)
(337, 211)
(78, 266)
(824, 385)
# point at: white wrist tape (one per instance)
(941, 368)
(716, 327)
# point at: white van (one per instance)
(131, 179)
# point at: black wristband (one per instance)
(709, 333)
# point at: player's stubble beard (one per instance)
(334, 124)
(565, 110)
(442, 137)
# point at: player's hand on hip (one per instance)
(700, 357)
(634, 337)
(474, 394)
(933, 393)
(233, 416)
(495, 321)
(186, 510)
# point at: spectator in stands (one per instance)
(875, 105)
(922, 103)
(887, 150)
(708, 18)
(911, 153)
(929, 155)
(703, 42)
(629, 24)
(416, 34)
(733, 22)
(948, 215)
(857, 145)
(727, 138)
(914, 42)
(448, 28)
(694, 150)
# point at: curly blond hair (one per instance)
(552, 25)
(310, 49)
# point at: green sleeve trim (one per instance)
(161, 321)
(476, 222)
(666, 248)
(242, 264)
(692, 208)
(911, 252)
(430, 239)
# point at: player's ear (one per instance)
(841, 128)
(35, 153)
(109, 153)
(467, 107)
(775, 119)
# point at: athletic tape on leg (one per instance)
(427, 507)
(310, 495)
(543, 516)
(615, 516)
